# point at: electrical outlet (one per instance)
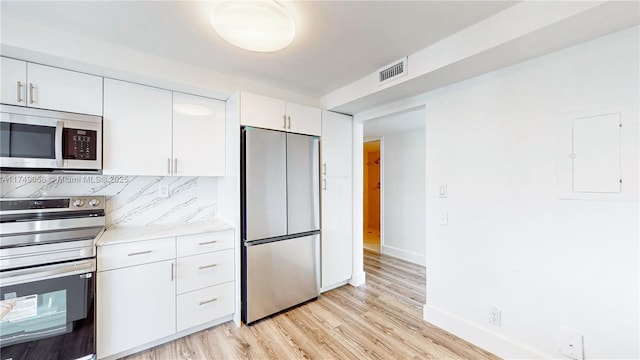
(495, 316)
(571, 344)
(163, 191)
(443, 219)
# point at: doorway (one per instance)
(371, 196)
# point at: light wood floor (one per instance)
(371, 240)
(379, 320)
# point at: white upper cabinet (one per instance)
(303, 119)
(269, 113)
(154, 132)
(262, 111)
(137, 129)
(14, 81)
(336, 144)
(46, 87)
(198, 136)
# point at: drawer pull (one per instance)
(208, 301)
(139, 253)
(207, 266)
(208, 242)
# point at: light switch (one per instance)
(442, 191)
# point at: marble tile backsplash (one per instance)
(131, 200)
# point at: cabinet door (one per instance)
(198, 136)
(14, 81)
(262, 111)
(337, 231)
(137, 129)
(304, 119)
(337, 146)
(135, 305)
(64, 90)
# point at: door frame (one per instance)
(359, 277)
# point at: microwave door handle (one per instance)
(59, 130)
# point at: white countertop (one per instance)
(137, 233)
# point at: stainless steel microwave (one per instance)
(47, 140)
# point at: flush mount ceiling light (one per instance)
(262, 26)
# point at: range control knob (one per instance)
(78, 202)
(94, 202)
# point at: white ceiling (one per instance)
(339, 47)
(337, 43)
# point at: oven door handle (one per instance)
(38, 273)
(59, 131)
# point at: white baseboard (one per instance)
(483, 338)
(403, 254)
(358, 279)
(331, 287)
(169, 338)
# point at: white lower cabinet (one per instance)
(208, 269)
(136, 305)
(337, 243)
(150, 290)
(199, 306)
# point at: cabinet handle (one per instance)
(284, 121)
(139, 253)
(20, 92)
(208, 301)
(324, 184)
(289, 118)
(208, 242)
(324, 169)
(169, 166)
(172, 266)
(31, 100)
(207, 266)
(175, 166)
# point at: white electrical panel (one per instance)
(596, 154)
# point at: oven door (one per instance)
(48, 312)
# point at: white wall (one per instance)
(403, 185)
(511, 242)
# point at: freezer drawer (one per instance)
(280, 274)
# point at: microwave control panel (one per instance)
(80, 144)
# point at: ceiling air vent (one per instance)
(392, 71)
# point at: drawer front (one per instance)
(201, 306)
(199, 271)
(135, 253)
(202, 243)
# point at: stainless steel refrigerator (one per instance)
(280, 193)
